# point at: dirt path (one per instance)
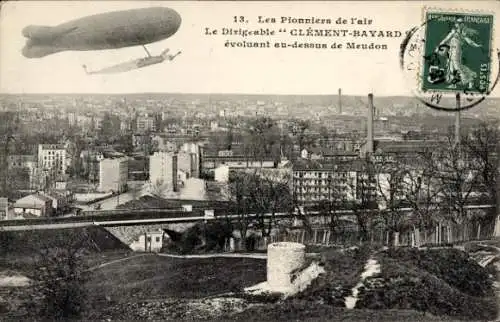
(372, 267)
(114, 261)
(118, 261)
(232, 255)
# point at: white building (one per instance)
(113, 174)
(146, 123)
(188, 162)
(194, 150)
(125, 125)
(161, 143)
(22, 161)
(148, 242)
(61, 201)
(163, 169)
(221, 174)
(53, 157)
(72, 119)
(36, 205)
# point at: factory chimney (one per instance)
(369, 125)
(497, 221)
(340, 100)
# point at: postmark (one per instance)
(451, 55)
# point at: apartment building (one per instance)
(315, 181)
(113, 174)
(17, 161)
(163, 169)
(230, 159)
(188, 163)
(53, 157)
(146, 123)
(194, 150)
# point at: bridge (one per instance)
(128, 217)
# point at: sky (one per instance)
(206, 66)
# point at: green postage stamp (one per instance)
(457, 52)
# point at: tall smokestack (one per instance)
(369, 125)
(457, 119)
(340, 100)
(497, 221)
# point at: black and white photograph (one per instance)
(250, 161)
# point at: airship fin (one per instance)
(45, 32)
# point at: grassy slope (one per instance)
(153, 276)
(19, 249)
(307, 311)
(443, 282)
(28, 242)
(127, 284)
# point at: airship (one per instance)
(110, 30)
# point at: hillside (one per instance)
(411, 285)
(31, 242)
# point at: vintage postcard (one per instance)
(249, 160)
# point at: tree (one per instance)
(300, 131)
(389, 178)
(286, 145)
(61, 274)
(160, 189)
(458, 178)
(136, 193)
(264, 134)
(9, 127)
(240, 186)
(422, 187)
(264, 193)
(106, 131)
(482, 146)
(228, 140)
(269, 193)
(335, 201)
(325, 135)
(276, 194)
(124, 142)
(364, 201)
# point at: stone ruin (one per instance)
(288, 271)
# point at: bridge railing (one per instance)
(150, 215)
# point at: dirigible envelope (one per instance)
(110, 30)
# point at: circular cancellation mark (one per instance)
(451, 55)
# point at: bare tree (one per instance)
(240, 185)
(229, 137)
(263, 135)
(458, 178)
(482, 147)
(61, 274)
(286, 145)
(276, 193)
(301, 215)
(9, 127)
(336, 198)
(263, 193)
(160, 189)
(389, 176)
(136, 193)
(422, 187)
(363, 201)
(300, 132)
